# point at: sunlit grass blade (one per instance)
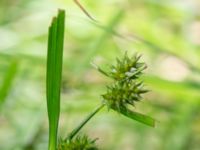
(139, 117)
(7, 81)
(54, 73)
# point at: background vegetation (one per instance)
(166, 32)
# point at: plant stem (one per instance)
(82, 124)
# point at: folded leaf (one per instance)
(54, 74)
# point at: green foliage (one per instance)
(157, 29)
(54, 73)
(79, 143)
(126, 90)
(8, 80)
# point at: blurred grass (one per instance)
(165, 32)
(6, 84)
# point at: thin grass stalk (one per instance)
(82, 124)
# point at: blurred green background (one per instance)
(165, 32)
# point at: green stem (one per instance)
(81, 125)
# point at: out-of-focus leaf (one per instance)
(178, 89)
(8, 80)
(115, 20)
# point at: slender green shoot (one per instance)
(82, 124)
(54, 73)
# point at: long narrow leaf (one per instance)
(54, 74)
(139, 117)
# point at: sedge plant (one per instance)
(126, 89)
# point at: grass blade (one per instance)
(54, 74)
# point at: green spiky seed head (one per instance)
(123, 93)
(127, 68)
(127, 87)
(79, 143)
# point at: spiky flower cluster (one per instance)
(127, 87)
(79, 143)
(121, 94)
(127, 68)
